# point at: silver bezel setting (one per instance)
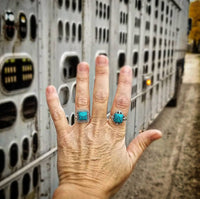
(118, 112)
(82, 121)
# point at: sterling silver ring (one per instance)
(118, 117)
(82, 116)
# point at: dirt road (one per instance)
(170, 167)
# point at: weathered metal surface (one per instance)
(56, 35)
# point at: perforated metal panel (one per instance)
(19, 86)
(42, 41)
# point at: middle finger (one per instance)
(101, 88)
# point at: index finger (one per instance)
(56, 111)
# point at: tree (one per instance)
(195, 31)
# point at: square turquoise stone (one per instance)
(118, 118)
(82, 115)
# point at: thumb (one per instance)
(141, 142)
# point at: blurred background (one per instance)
(194, 36)
(170, 168)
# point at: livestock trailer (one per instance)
(41, 43)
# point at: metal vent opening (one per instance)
(14, 190)
(35, 143)
(121, 60)
(13, 155)
(17, 73)
(70, 67)
(8, 114)
(25, 149)
(35, 176)
(26, 184)
(29, 107)
(2, 162)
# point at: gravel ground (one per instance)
(170, 167)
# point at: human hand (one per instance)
(93, 160)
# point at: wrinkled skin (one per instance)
(93, 161)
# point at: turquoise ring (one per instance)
(82, 116)
(118, 117)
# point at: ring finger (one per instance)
(122, 97)
(82, 99)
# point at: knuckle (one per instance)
(100, 96)
(101, 71)
(123, 102)
(142, 144)
(82, 78)
(52, 99)
(82, 101)
(125, 80)
(57, 114)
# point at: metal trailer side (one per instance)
(41, 43)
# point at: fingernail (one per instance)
(83, 67)
(157, 135)
(50, 89)
(102, 60)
